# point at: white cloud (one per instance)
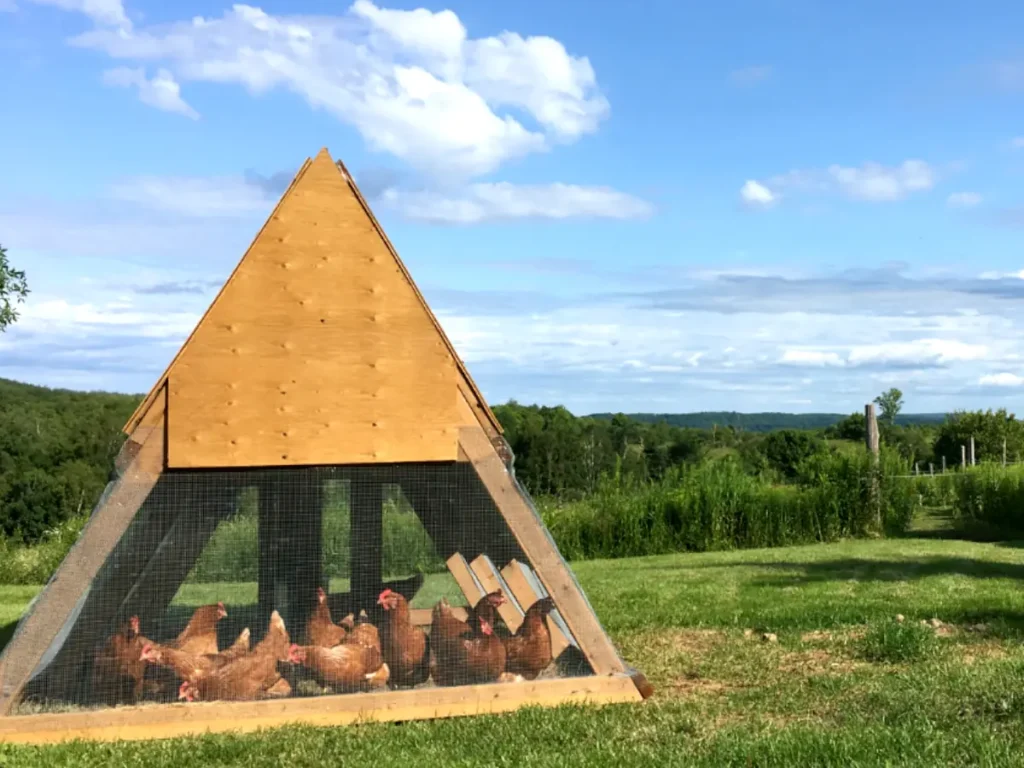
(105, 12)
(963, 200)
(8, 6)
(1001, 380)
(992, 275)
(504, 201)
(161, 91)
(751, 75)
(194, 196)
(810, 357)
(411, 82)
(872, 181)
(755, 194)
(917, 352)
(869, 182)
(1017, 142)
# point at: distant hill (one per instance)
(763, 422)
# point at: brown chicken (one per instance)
(189, 665)
(347, 667)
(252, 676)
(200, 634)
(118, 669)
(446, 626)
(321, 629)
(364, 633)
(404, 645)
(528, 651)
(476, 656)
(238, 648)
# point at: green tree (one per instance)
(853, 427)
(890, 403)
(988, 428)
(786, 449)
(13, 290)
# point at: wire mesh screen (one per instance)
(243, 585)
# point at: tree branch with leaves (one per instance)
(13, 290)
(890, 403)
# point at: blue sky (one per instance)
(733, 206)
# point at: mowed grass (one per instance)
(843, 684)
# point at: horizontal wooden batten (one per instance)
(175, 720)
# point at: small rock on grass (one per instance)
(935, 622)
(769, 637)
(900, 618)
(748, 633)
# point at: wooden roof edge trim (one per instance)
(477, 394)
(140, 411)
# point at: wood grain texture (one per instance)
(318, 351)
(175, 720)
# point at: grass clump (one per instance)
(898, 642)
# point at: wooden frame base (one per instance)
(156, 721)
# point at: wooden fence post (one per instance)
(871, 436)
(972, 450)
(871, 433)
(943, 465)
(963, 457)
(1004, 451)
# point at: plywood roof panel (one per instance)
(319, 348)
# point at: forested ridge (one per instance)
(57, 449)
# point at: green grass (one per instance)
(841, 686)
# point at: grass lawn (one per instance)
(845, 683)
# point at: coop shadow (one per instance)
(6, 633)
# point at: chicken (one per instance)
(364, 633)
(446, 626)
(118, 672)
(251, 676)
(189, 665)
(528, 651)
(405, 646)
(476, 656)
(200, 635)
(238, 648)
(347, 667)
(320, 629)
(276, 642)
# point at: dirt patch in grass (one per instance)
(816, 662)
(969, 654)
(698, 686)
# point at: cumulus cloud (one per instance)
(102, 12)
(963, 200)
(413, 83)
(504, 202)
(160, 91)
(870, 182)
(1001, 380)
(754, 194)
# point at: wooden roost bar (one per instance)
(319, 354)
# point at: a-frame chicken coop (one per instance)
(314, 519)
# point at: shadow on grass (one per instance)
(6, 633)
